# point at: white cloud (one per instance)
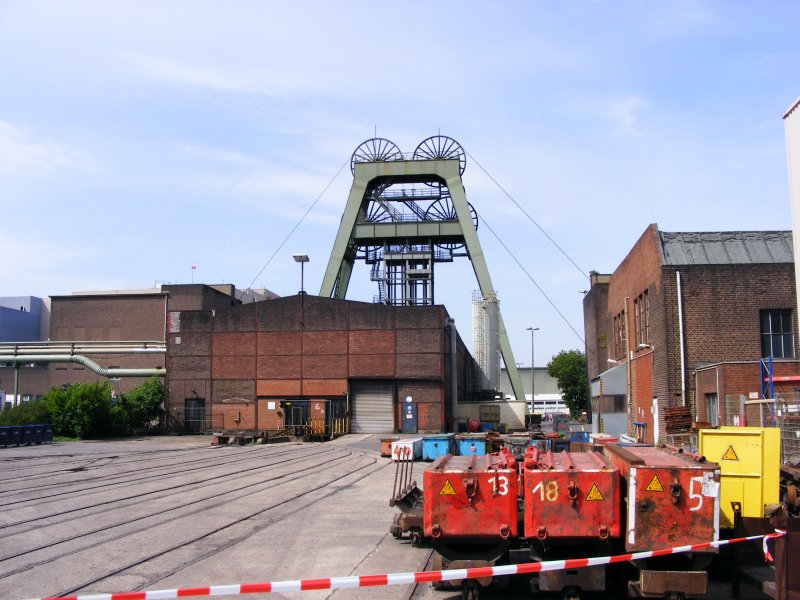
(175, 72)
(22, 150)
(623, 113)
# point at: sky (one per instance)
(140, 138)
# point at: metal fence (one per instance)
(782, 412)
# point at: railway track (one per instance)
(209, 505)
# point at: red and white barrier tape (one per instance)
(334, 583)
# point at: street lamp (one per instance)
(533, 380)
(302, 259)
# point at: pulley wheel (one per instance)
(374, 150)
(441, 147)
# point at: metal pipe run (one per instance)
(81, 360)
(116, 347)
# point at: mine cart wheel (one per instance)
(791, 497)
(416, 537)
(572, 593)
(470, 590)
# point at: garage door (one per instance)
(371, 406)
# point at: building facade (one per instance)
(248, 367)
(118, 316)
(682, 305)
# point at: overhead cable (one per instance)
(286, 239)
(538, 287)
(532, 220)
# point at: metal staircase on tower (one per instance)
(405, 214)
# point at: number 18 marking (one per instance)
(548, 490)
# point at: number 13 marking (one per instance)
(501, 489)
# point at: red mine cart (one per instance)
(672, 500)
(572, 510)
(470, 510)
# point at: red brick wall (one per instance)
(430, 403)
(310, 347)
(721, 305)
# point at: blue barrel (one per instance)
(468, 444)
(441, 444)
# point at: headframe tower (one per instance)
(405, 213)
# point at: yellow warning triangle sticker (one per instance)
(730, 454)
(447, 489)
(594, 494)
(654, 485)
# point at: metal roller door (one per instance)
(372, 406)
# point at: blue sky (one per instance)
(139, 138)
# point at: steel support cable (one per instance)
(530, 218)
(538, 287)
(286, 239)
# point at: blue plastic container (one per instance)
(14, 435)
(578, 436)
(560, 445)
(468, 444)
(440, 444)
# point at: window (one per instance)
(712, 406)
(641, 319)
(619, 335)
(777, 339)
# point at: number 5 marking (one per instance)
(693, 495)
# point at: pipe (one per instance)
(86, 362)
(680, 337)
(628, 385)
(16, 386)
(451, 324)
(36, 348)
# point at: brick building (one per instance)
(249, 367)
(122, 316)
(689, 316)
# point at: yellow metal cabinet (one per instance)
(749, 462)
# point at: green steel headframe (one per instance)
(414, 206)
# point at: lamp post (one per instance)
(302, 259)
(533, 378)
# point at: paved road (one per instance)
(159, 513)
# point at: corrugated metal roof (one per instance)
(727, 247)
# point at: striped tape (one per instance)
(335, 583)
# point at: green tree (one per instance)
(143, 406)
(82, 410)
(27, 413)
(569, 368)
